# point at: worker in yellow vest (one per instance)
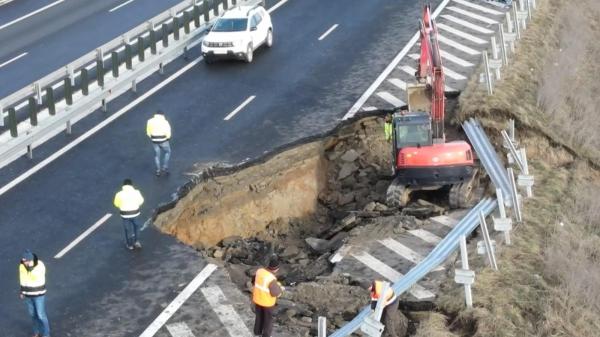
(387, 128)
(129, 200)
(390, 306)
(32, 276)
(158, 130)
(264, 295)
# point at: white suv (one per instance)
(238, 33)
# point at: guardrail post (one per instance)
(322, 326)
(68, 128)
(465, 276)
(128, 56)
(70, 74)
(196, 13)
(206, 7)
(525, 179)
(100, 67)
(134, 86)
(165, 35)
(141, 49)
(33, 110)
(225, 4)
(114, 62)
(233, 2)
(215, 7)
(381, 302)
(104, 105)
(38, 92)
(516, 21)
(502, 224)
(12, 122)
(503, 53)
(496, 58)
(176, 27)
(1, 115)
(68, 91)
(84, 81)
(512, 149)
(50, 104)
(186, 22)
(488, 242)
(514, 195)
(161, 68)
(487, 74)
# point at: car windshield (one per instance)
(230, 25)
(412, 135)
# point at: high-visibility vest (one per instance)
(387, 129)
(261, 294)
(377, 290)
(158, 129)
(128, 200)
(33, 283)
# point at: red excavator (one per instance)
(423, 158)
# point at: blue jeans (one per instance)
(37, 310)
(132, 230)
(162, 147)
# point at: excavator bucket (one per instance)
(419, 97)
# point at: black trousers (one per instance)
(263, 324)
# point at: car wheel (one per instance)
(249, 54)
(269, 38)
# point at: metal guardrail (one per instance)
(488, 156)
(130, 62)
(436, 257)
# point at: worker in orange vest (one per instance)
(390, 304)
(264, 295)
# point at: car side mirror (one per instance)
(253, 28)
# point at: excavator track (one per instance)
(461, 195)
(397, 194)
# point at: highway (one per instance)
(40, 36)
(302, 86)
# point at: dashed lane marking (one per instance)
(404, 252)
(31, 14)
(478, 7)
(328, 32)
(391, 274)
(444, 220)
(398, 82)
(240, 107)
(121, 5)
(229, 317)
(179, 329)
(12, 60)
(164, 316)
(461, 34)
(83, 236)
(467, 24)
(425, 236)
(457, 45)
(393, 100)
(472, 15)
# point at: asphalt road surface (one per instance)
(301, 86)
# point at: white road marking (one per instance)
(393, 100)
(229, 317)
(371, 89)
(121, 5)
(240, 107)
(461, 34)
(398, 82)
(425, 236)
(340, 253)
(97, 128)
(411, 71)
(328, 32)
(391, 274)
(107, 121)
(453, 74)
(478, 7)
(472, 15)
(458, 46)
(467, 24)
(179, 329)
(447, 56)
(30, 14)
(83, 236)
(191, 288)
(444, 220)
(369, 108)
(12, 60)
(404, 252)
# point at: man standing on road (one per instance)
(159, 131)
(128, 200)
(264, 295)
(32, 277)
(389, 317)
(387, 128)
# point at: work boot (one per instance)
(137, 245)
(165, 171)
(129, 247)
(157, 173)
